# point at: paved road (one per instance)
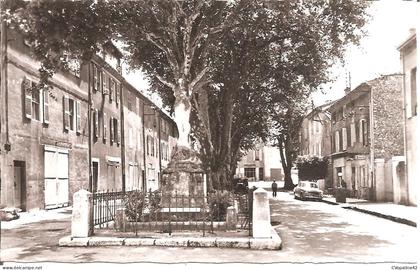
(311, 232)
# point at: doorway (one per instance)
(19, 184)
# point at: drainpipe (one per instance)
(4, 88)
(90, 183)
(144, 151)
(372, 144)
(122, 138)
(160, 150)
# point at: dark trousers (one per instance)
(274, 192)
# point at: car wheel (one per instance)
(296, 197)
(302, 197)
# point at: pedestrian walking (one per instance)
(274, 188)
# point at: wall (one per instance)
(409, 61)
(388, 118)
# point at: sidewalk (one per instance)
(36, 216)
(396, 212)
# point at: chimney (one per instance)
(412, 31)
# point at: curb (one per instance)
(272, 243)
(373, 213)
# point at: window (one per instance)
(257, 154)
(413, 89)
(72, 114)
(250, 173)
(36, 102)
(261, 173)
(117, 131)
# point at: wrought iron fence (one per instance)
(167, 212)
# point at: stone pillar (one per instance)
(120, 219)
(82, 214)
(380, 179)
(261, 227)
(231, 218)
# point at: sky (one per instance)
(377, 54)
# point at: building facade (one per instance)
(48, 137)
(366, 134)
(261, 163)
(408, 186)
(315, 136)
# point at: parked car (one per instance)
(307, 190)
(240, 186)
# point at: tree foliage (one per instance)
(241, 67)
(312, 167)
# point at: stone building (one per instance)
(367, 133)
(315, 136)
(407, 186)
(44, 134)
(46, 141)
(261, 163)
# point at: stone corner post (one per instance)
(82, 214)
(231, 218)
(261, 227)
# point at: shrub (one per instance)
(312, 167)
(134, 202)
(218, 202)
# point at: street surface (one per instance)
(311, 232)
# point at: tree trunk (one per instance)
(182, 119)
(285, 161)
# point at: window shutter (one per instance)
(104, 83)
(95, 77)
(344, 138)
(46, 114)
(112, 90)
(104, 119)
(26, 89)
(78, 117)
(117, 98)
(96, 121)
(66, 113)
(118, 131)
(99, 77)
(111, 129)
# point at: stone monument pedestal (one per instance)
(184, 177)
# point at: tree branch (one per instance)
(165, 82)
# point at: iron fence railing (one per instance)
(168, 212)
